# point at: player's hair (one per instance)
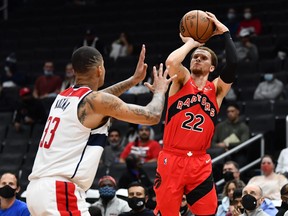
(85, 58)
(214, 59)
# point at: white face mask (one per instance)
(281, 55)
(231, 16)
(247, 15)
(48, 73)
(268, 77)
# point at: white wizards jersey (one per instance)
(68, 149)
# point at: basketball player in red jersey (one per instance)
(193, 104)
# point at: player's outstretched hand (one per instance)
(220, 27)
(161, 82)
(141, 68)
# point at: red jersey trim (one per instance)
(72, 92)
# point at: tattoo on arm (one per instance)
(82, 111)
(119, 88)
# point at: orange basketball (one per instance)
(195, 24)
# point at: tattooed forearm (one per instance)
(119, 88)
(157, 104)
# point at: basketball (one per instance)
(195, 24)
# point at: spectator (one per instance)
(91, 39)
(281, 57)
(231, 132)
(270, 88)
(270, 182)
(231, 171)
(48, 84)
(10, 76)
(283, 210)
(246, 50)
(236, 207)
(134, 172)
(132, 133)
(143, 146)
(228, 191)
(232, 22)
(253, 24)
(109, 203)
(184, 210)
(113, 149)
(137, 197)
(252, 198)
(138, 89)
(29, 111)
(122, 46)
(69, 79)
(282, 165)
(95, 211)
(268, 206)
(9, 204)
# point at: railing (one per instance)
(4, 9)
(241, 146)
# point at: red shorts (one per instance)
(187, 173)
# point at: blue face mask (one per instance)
(107, 193)
(268, 77)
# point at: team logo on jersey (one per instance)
(165, 161)
(157, 181)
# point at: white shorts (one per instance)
(57, 197)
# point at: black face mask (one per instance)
(7, 192)
(249, 202)
(136, 203)
(150, 204)
(183, 209)
(228, 176)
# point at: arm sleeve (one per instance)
(229, 71)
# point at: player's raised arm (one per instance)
(110, 105)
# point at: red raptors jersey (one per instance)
(190, 117)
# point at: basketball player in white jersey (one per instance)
(76, 130)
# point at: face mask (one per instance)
(7, 192)
(247, 15)
(150, 204)
(249, 202)
(107, 193)
(114, 144)
(183, 209)
(136, 204)
(228, 176)
(48, 73)
(281, 55)
(268, 77)
(230, 16)
(267, 168)
(69, 75)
